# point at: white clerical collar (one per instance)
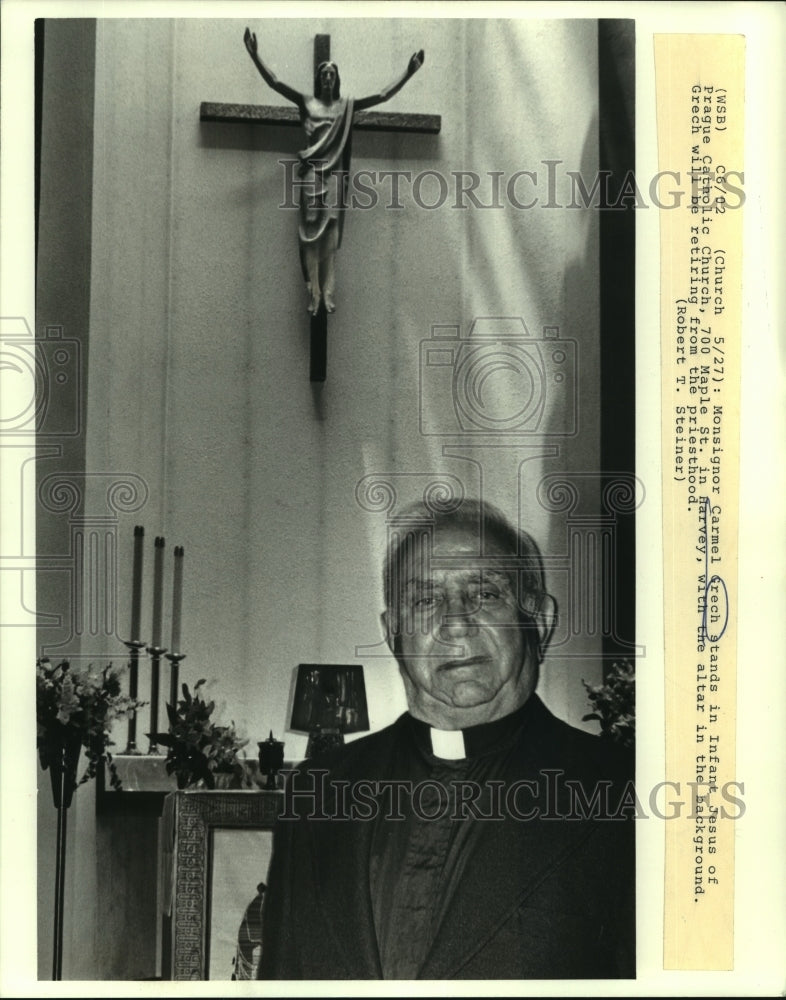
(448, 744)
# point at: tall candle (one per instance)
(136, 582)
(158, 591)
(177, 600)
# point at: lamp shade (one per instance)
(330, 696)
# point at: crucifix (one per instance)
(328, 121)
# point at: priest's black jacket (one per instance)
(546, 891)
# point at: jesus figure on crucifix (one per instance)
(324, 166)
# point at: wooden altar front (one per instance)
(159, 849)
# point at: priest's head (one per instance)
(467, 615)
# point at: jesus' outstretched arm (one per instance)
(384, 95)
(289, 93)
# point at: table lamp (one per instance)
(330, 700)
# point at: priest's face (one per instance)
(463, 653)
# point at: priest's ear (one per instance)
(540, 610)
(546, 618)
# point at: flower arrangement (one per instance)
(197, 749)
(614, 703)
(76, 707)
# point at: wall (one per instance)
(62, 321)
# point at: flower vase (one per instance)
(225, 780)
(60, 756)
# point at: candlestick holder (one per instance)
(134, 647)
(174, 682)
(155, 652)
(271, 760)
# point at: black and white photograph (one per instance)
(337, 443)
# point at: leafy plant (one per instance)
(197, 748)
(76, 706)
(614, 703)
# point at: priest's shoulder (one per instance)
(590, 753)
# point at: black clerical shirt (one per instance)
(425, 835)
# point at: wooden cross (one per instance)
(367, 121)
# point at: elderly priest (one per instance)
(478, 836)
